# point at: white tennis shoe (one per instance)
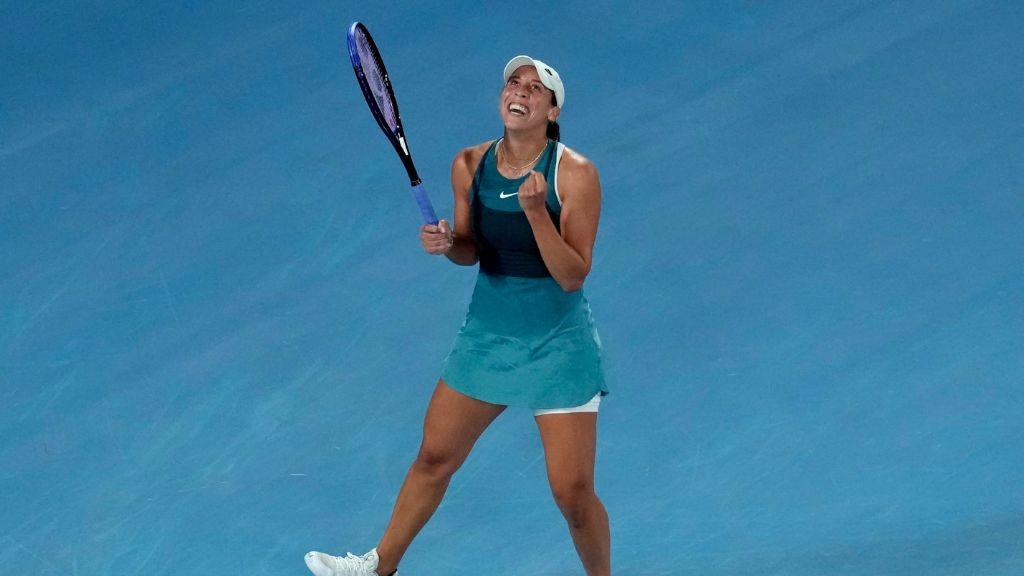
(351, 565)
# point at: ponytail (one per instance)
(554, 132)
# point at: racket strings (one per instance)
(376, 77)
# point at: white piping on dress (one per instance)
(559, 148)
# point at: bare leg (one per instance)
(452, 426)
(570, 442)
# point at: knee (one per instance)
(573, 497)
(436, 463)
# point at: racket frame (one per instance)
(396, 135)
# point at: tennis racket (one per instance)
(380, 97)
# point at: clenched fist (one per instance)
(533, 192)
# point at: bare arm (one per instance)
(458, 244)
(568, 256)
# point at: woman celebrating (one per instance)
(527, 210)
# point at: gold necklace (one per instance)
(519, 169)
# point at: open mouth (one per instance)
(517, 109)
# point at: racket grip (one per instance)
(426, 208)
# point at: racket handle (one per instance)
(426, 208)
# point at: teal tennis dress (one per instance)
(525, 341)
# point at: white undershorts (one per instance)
(590, 406)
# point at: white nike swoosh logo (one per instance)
(503, 195)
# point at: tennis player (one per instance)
(526, 210)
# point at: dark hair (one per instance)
(554, 131)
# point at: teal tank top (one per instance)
(505, 241)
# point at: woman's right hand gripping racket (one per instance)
(380, 96)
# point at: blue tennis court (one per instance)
(219, 332)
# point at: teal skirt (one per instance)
(526, 342)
